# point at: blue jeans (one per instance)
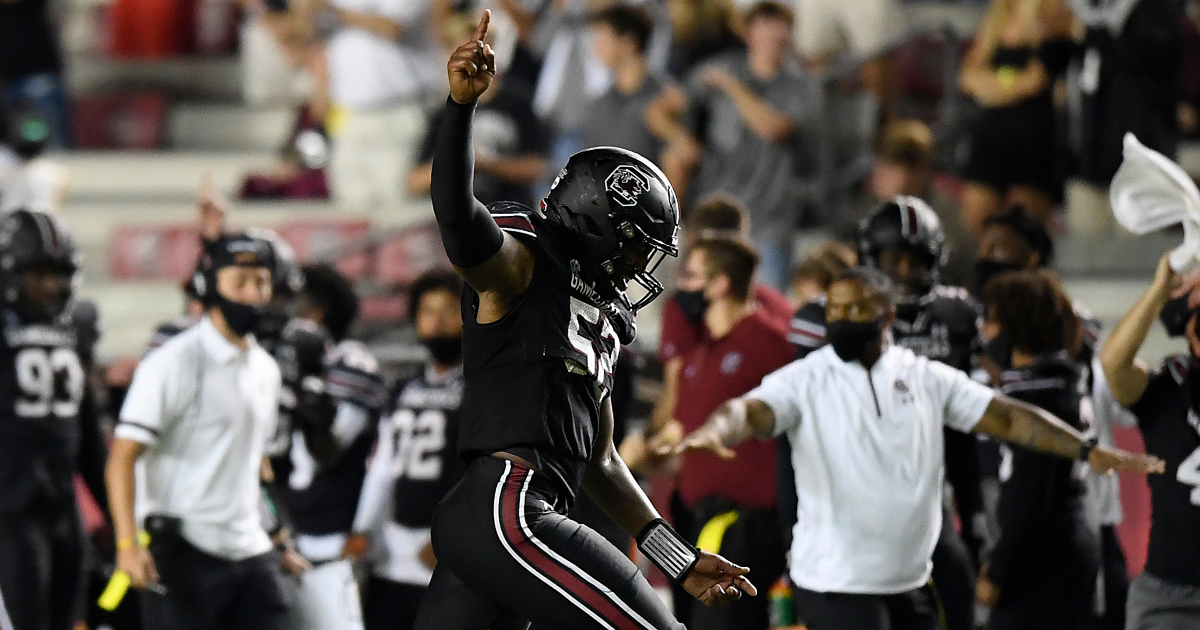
(774, 264)
(45, 92)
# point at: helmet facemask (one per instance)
(637, 258)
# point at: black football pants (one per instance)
(506, 557)
(41, 566)
(914, 610)
(954, 577)
(205, 592)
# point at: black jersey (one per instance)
(535, 378)
(422, 433)
(322, 499)
(42, 384)
(1170, 426)
(1041, 497)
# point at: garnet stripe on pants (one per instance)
(525, 549)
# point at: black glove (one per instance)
(301, 352)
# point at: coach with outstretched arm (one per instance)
(865, 419)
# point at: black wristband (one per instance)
(669, 551)
(1086, 448)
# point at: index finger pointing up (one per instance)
(481, 30)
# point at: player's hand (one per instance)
(356, 546)
(716, 581)
(472, 66)
(986, 592)
(704, 439)
(427, 557)
(1105, 460)
(293, 562)
(136, 561)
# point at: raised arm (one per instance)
(1127, 376)
(489, 260)
(1037, 429)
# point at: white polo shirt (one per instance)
(868, 454)
(205, 410)
(368, 71)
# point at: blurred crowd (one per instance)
(755, 100)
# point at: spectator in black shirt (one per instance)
(511, 144)
(1042, 572)
(1167, 594)
(617, 118)
(30, 63)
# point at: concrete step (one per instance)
(167, 176)
(130, 311)
(204, 78)
(228, 127)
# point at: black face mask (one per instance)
(987, 269)
(241, 318)
(693, 304)
(445, 350)
(850, 340)
(1175, 316)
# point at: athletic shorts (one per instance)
(508, 555)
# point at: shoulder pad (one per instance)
(1177, 365)
(353, 374)
(807, 329)
(514, 217)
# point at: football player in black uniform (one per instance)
(333, 394)
(543, 317)
(1166, 402)
(415, 463)
(42, 387)
(904, 239)
(1013, 240)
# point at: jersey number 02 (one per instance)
(38, 372)
(420, 439)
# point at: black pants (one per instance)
(754, 541)
(389, 605)
(1054, 587)
(914, 610)
(954, 578)
(1116, 580)
(41, 566)
(209, 593)
(506, 557)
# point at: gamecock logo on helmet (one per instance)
(627, 184)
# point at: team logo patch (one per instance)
(730, 362)
(627, 184)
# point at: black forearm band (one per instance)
(469, 233)
(1086, 448)
(669, 551)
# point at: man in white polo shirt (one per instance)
(197, 417)
(865, 419)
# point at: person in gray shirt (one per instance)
(617, 118)
(747, 107)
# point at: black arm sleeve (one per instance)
(93, 448)
(962, 471)
(469, 233)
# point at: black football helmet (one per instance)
(909, 224)
(622, 218)
(36, 240)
